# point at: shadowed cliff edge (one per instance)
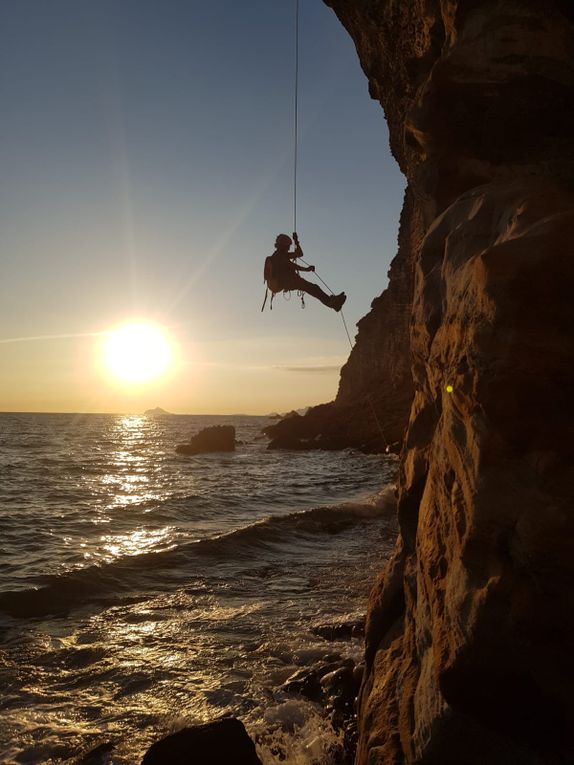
(470, 628)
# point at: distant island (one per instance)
(157, 412)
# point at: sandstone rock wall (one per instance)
(470, 629)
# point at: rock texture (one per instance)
(470, 629)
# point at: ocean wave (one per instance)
(119, 580)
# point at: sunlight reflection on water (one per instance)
(131, 468)
(205, 630)
(134, 463)
(137, 542)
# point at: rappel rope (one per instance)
(296, 116)
(295, 146)
(375, 415)
(295, 160)
(296, 157)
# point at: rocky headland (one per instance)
(470, 629)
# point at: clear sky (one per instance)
(146, 156)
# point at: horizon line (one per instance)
(143, 414)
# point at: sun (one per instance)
(137, 353)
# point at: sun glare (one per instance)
(137, 353)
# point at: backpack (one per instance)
(273, 276)
(272, 273)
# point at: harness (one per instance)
(276, 272)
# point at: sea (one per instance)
(142, 590)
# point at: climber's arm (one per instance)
(298, 253)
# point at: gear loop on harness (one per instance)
(265, 300)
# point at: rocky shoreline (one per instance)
(331, 683)
(334, 428)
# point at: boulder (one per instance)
(308, 681)
(221, 742)
(218, 438)
(100, 755)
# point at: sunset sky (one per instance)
(146, 159)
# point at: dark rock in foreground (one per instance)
(100, 755)
(222, 742)
(218, 438)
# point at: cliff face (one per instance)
(376, 389)
(470, 629)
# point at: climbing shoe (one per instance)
(337, 301)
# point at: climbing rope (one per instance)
(346, 329)
(296, 116)
(296, 157)
(295, 161)
(332, 293)
(376, 417)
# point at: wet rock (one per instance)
(305, 682)
(339, 681)
(218, 438)
(342, 630)
(308, 681)
(358, 674)
(334, 685)
(221, 742)
(340, 691)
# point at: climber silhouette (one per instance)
(282, 273)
